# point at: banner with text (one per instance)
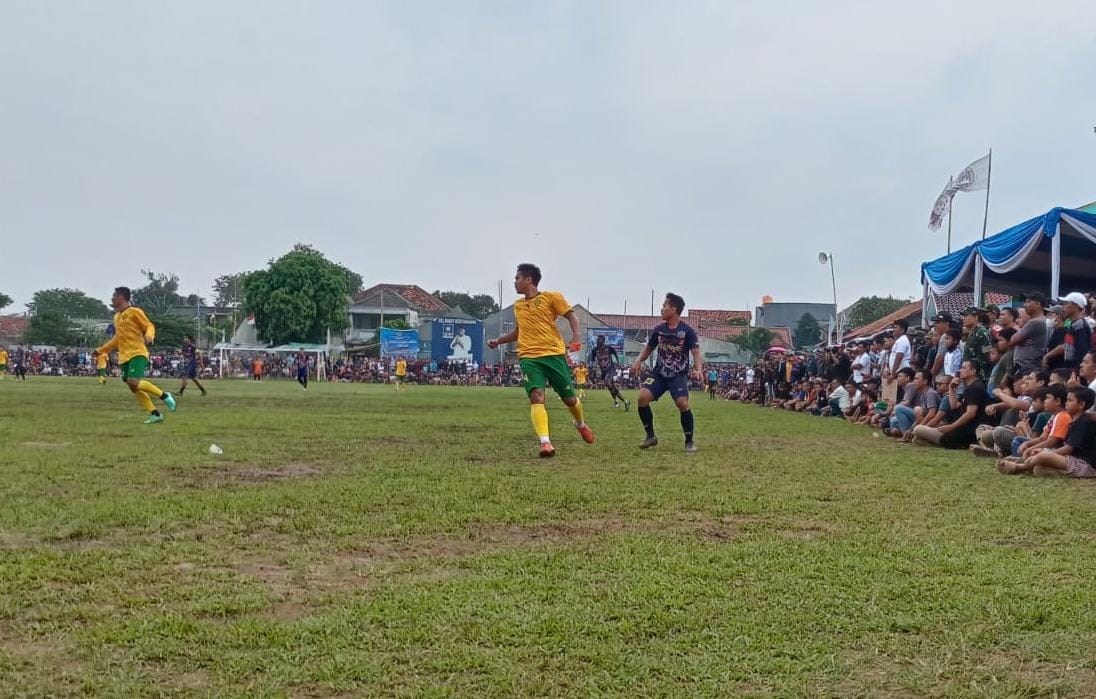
(456, 340)
(399, 343)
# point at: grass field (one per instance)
(352, 542)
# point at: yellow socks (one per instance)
(150, 388)
(144, 401)
(576, 412)
(540, 420)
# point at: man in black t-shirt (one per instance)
(959, 431)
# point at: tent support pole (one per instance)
(925, 306)
(1056, 262)
(977, 279)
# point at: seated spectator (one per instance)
(959, 427)
(903, 415)
(1077, 456)
(1052, 437)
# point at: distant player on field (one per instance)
(190, 365)
(132, 332)
(101, 362)
(605, 357)
(674, 340)
(3, 362)
(582, 374)
(541, 352)
(401, 373)
(302, 369)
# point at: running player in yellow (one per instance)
(581, 374)
(101, 361)
(401, 373)
(3, 362)
(132, 332)
(541, 352)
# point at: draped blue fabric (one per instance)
(1003, 252)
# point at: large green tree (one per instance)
(171, 328)
(299, 297)
(869, 309)
(161, 293)
(67, 303)
(51, 328)
(808, 332)
(478, 306)
(228, 289)
(5, 301)
(754, 342)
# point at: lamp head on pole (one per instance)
(823, 258)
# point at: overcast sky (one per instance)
(709, 148)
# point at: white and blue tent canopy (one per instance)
(1048, 253)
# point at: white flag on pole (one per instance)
(974, 177)
(942, 205)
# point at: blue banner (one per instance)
(399, 343)
(614, 337)
(456, 340)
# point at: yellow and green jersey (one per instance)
(581, 374)
(538, 335)
(401, 368)
(132, 331)
(3, 357)
(101, 360)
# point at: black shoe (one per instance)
(649, 442)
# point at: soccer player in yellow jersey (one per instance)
(542, 353)
(101, 361)
(581, 374)
(3, 362)
(401, 373)
(132, 332)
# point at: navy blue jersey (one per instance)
(188, 353)
(604, 356)
(673, 347)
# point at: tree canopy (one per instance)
(67, 303)
(228, 289)
(5, 301)
(50, 328)
(299, 297)
(869, 309)
(161, 294)
(478, 306)
(808, 332)
(754, 342)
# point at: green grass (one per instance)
(351, 541)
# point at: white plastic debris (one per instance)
(214, 449)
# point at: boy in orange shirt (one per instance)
(1053, 436)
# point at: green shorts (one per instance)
(134, 368)
(401, 379)
(3, 368)
(548, 371)
(102, 372)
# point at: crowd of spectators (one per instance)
(1015, 384)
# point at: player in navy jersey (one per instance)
(675, 341)
(190, 365)
(302, 369)
(605, 357)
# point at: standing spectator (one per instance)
(1030, 342)
(1076, 336)
(976, 349)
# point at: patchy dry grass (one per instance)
(351, 541)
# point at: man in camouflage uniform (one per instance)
(978, 341)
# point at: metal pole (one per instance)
(951, 200)
(989, 179)
(836, 313)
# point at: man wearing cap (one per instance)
(1030, 342)
(976, 351)
(1077, 340)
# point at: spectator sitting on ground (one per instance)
(1052, 436)
(1076, 456)
(959, 428)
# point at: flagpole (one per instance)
(989, 180)
(951, 200)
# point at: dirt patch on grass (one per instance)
(245, 473)
(1038, 675)
(809, 529)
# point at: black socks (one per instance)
(687, 425)
(647, 417)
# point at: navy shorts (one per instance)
(302, 373)
(677, 386)
(192, 370)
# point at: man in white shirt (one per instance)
(899, 358)
(838, 399)
(861, 366)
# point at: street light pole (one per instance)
(827, 258)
